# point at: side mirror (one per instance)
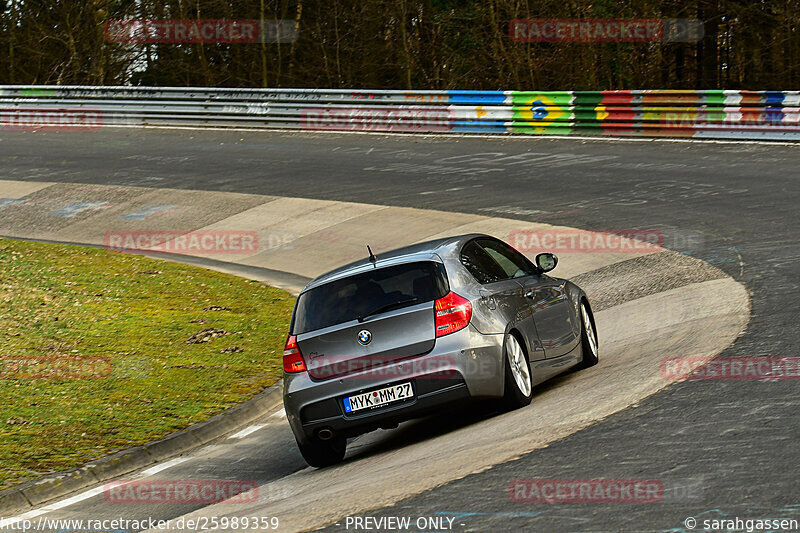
(546, 262)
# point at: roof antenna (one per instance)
(372, 257)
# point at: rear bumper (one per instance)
(461, 366)
(387, 416)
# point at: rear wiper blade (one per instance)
(388, 307)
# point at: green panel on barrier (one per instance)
(584, 114)
(542, 130)
(588, 98)
(563, 98)
(713, 97)
(716, 115)
(538, 112)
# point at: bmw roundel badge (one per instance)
(364, 337)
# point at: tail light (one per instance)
(453, 313)
(292, 358)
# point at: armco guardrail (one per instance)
(649, 113)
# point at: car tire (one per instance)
(589, 345)
(321, 453)
(518, 381)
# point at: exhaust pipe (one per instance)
(325, 434)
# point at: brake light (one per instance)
(453, 313)
(292, 358)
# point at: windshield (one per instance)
(369, 293)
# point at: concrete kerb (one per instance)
(42, 490)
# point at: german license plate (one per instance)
(377, 398)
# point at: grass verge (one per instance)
(94, 355)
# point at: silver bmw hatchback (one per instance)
(401, 335)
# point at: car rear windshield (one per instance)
(364, 294)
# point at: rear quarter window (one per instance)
(482, 267)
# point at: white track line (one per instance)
(8, 522)
(279, 414)
(163, 466)
(245, 432)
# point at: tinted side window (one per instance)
(513, 263)
(480, 264)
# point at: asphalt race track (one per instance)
(729, 204)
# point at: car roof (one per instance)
(422, 251)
